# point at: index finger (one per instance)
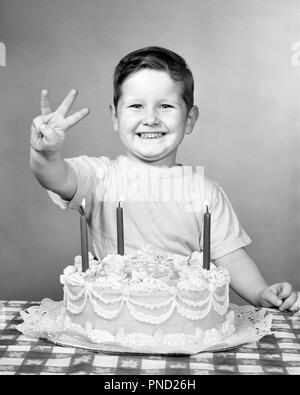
(45, 104)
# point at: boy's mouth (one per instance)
(151, 135)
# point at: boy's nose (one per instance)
(151, 118)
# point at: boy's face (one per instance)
(151, 117)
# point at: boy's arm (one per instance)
(54, 174)
(246, 279)
(248, 282)
(48, 133)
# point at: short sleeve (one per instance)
(227, 234)
(91, 178)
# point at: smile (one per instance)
(151, 135)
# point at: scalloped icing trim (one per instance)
(219, 304)
(204, 337)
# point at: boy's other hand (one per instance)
(296, 306)
(48, 131)
(280, 295)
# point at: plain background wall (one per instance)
(247, 136)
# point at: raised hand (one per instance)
(48, 130)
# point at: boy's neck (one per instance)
(166, 162)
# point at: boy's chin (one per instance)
(153, 159)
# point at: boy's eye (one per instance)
(165, 106)
(138, 106)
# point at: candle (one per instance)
(84, 238)
(120, 230)
(206, 240)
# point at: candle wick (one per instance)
(81, 210)
(206, 208)
(119, 204)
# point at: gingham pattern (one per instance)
(274, 354)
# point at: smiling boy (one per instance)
(151, 126)
(153, 110)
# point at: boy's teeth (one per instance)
(150, 135)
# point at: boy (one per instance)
(153, 109)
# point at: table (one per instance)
(273, 355)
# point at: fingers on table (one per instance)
(288, 302)
(296, 305)
(286, 289)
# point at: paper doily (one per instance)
(46, 322)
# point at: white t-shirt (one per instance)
(162, 207)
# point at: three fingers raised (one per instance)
(61, 111)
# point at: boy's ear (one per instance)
(114, 117)
(191, 119)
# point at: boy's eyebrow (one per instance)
(131, 99)
(138, 99)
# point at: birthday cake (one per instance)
(147, 300)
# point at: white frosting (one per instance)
(200, 337)
(180, 284)
(50, 321)
(150, 271)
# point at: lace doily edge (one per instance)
(252, 324)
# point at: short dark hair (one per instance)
(155, 58)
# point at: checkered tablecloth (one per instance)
(274, 354)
